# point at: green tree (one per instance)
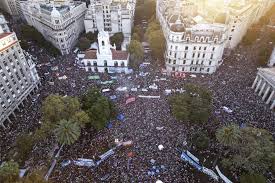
(194, 105)
(84, 43)
(23, 146)
(136, 53)
(157, 43)
(56, 108)
(34, 177)
(200, 140)
(98, 107)
(136, 37)
(228, 135)
(149, 9)
(252, 178)
(9, 172)
(251, 36)
(30, 33)
(253, 152)
(139, 31)
(67, 132)
(92, 36)
(117, 39)
(82, 118)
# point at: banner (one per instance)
(223, 177)
(131, 99)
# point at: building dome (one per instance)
(55, 13)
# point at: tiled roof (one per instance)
(5, 34)
(119, 55)
(90, 54)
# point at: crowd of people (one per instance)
(148, 121)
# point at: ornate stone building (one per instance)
(60, 22)
(18, 76)
(193, 43)
(264, 85)
(105, 58)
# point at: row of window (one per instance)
(193, 55)
(193, 62)
(197, 39)
(192, 69)
(194, 48)
(105, 64)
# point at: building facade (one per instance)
(18, 75)
(106, 58)
(193, 43)
(9, 6)
(60, 22)
(271, 61)
(110, 15)
(4, 24)
(264, 85)
(241, 15)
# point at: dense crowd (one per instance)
(148, 122)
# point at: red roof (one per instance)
(119, 55)
(5, 34)
(90, 54)
(116, 54)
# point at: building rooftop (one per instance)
(5, 34)
(116, 54)
(90, 54)
(119, 55)
(268, 74)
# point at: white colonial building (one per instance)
(105, 58)
(110, 15)
(264, 85)
(193, 43)
(59, 21)
(271, 61)
(241, 15)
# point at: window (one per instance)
(205, 48)
(186, 47)
(182, 69)
(122, 64)
(176, 47)
(199, 55)
(193, 55)
(210, 62)
(230, 38)
(184, 55)
(195, 47)
(105, 63)
(174, 61)
(103, 43)
(211, 56)
(202, 39)
(115, 64)
(175, 55)
(213, 49)
(208, 69)
(173, 69)
(184, 61)
(203, 55)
